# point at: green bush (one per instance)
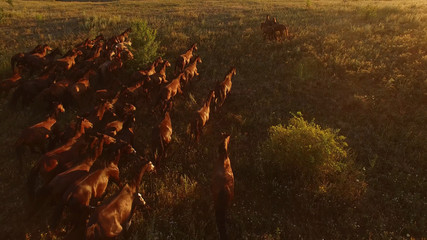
(144, 44)
(310, 157)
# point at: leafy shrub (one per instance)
(312, 158)
(144, 44)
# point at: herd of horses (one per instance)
(78, 160)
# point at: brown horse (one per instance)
(143, 75)
(171, 89)
(36, 135)
(223, 88)
(35, 61)
(17, 59)
(61, 158)
(29, 89)
(66, 63)
(222, 186)
(184, 59)
(191, 71)
(92, 187)
(111, 218)
(124, 36)
(127, 134)
(202, 116)
(57, 187)
(161, 138)
(160, 77)
(81, 86)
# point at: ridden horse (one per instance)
(202, 116)
(161, 138)
(223, 88)
(184, 59)
(222, 186)
(36, 135)
(61, 158)
(191, 71)
(170, 90)
(109, 219)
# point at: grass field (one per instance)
(358, 66)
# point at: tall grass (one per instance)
(358, 66)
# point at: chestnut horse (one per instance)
(61, 158)
(184, 59)
(161, 138)
(143, 75)
(56, 188)
(170, 90)
(202, 116)
(222, 186)
(111, 218)
(223, 88)
(191, 71)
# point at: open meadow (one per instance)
(348, 87)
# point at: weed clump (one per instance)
(311, 159)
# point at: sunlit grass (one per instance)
(358, 66)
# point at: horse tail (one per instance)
(220, 214)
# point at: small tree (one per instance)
(144, 44)
(311, 158)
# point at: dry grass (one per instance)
(358, 66)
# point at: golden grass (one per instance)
(359, 66)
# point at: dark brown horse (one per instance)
(184, 59)
(222, 186)
(111, 218)
(202, 116)
(36, 135)
(223, 88)
(61, 158)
